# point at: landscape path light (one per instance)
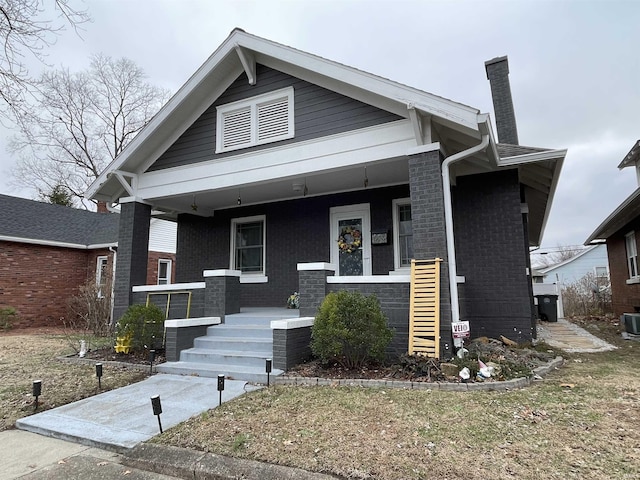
(157, 409)
(37, 391)
(268, 368)
(99, 374)
(220, 387)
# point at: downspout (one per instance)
(114, 251)
(448, 220)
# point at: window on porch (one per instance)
(632, 254)
(403, 233)
(248, 245)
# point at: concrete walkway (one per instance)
(571, 338)
(120, 419)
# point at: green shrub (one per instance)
(144, 324)
(351, 329)
(7, 316)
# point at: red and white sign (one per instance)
(461, 329)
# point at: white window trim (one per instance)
(253, 103)
(99, 260)
(169, 263)
(629, 256)
(259, 276)
(396, 234)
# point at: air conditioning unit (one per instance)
(632, 322)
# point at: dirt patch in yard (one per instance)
(32, 354)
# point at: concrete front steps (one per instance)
(237, 349)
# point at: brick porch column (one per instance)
(429, 234)
(133, 252)
(312, 286)
(222, 293)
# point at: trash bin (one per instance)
(548, 308)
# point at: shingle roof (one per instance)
(32, 220)
(507, 150)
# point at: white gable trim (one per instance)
(52, 243)
(225, 65)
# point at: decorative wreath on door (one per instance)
(350, 240)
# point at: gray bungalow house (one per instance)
(289, 172)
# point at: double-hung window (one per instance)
(632, 254)
(403, 233)
(255, 121)
(248, 245)
(102, 274)
(164, 271)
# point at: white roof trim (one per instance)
(532, 157)
(52, 243)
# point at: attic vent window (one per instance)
(255, 121)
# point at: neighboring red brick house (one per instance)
(621, 231)
(48, 251)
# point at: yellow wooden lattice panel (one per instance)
(424, 311)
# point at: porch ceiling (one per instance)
(350, 178)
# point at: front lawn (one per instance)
(581, 422)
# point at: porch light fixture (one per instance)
(99, 375)
(157, 409)
(239, 198)
(220, 387)
(194, 205)
(268, 369)
(366, 180)
(37, 391)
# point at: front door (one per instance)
(350, 239)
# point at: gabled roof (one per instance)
(239, 53)
(631, 158)
(551, 268)
(627, 211)
(29, 221)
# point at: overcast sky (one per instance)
(575, 68)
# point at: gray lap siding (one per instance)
(318, 112)
(297, 232)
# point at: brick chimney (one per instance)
(102, 207)
(498, 76)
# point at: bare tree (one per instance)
(560, 254)
(26, 30)
(80, 122)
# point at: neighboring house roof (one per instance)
(547, 270)
(218, 182)
(30, 221)
(627, 211)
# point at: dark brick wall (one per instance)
(178, 339)
(291, 347)
(297, 232)
(394, 301)
(179, 304)
(312, 289)
(625, 298)
(429, 234)
(498, 76)
(222, 296)
(131, 261)
(491, 254)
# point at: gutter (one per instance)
(448, 213)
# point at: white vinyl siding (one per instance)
(255, 121)
(632, 254)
